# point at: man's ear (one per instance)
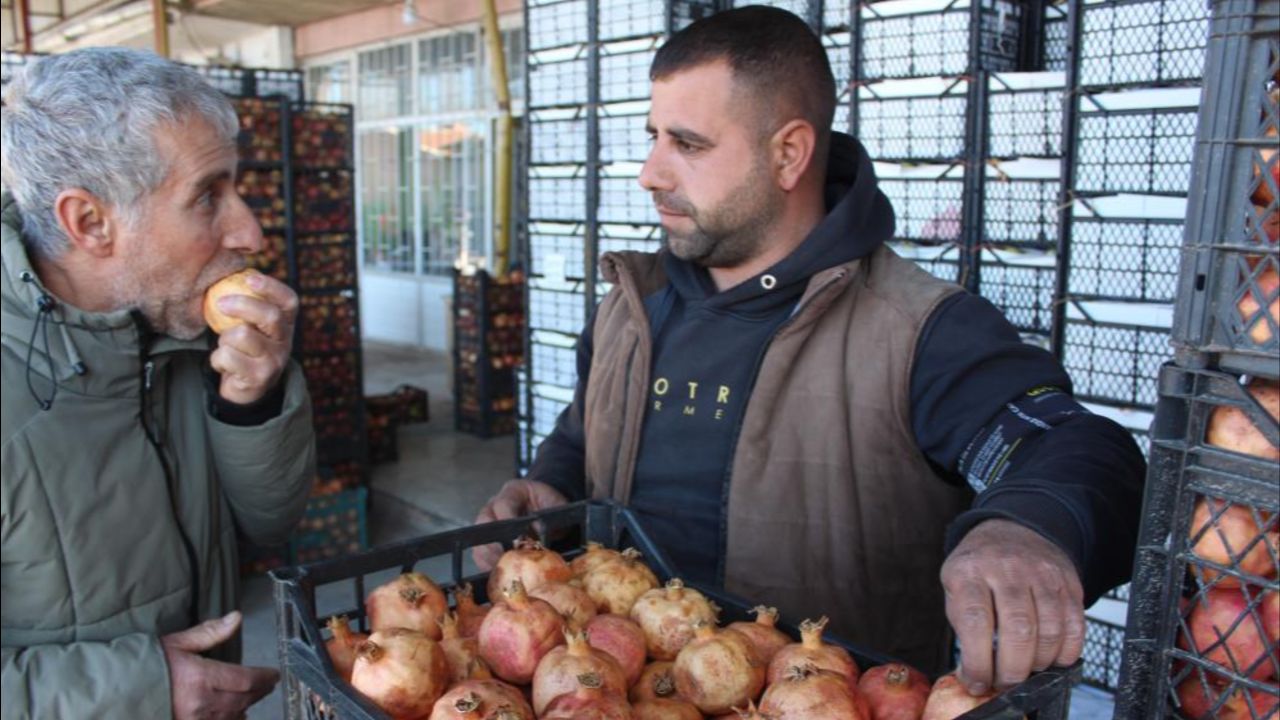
(86, 220)
(792, 148)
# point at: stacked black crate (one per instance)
(488, 336)
(1132, 69)
(917, 100)
(1204, 633)
(557, 120)
(588, 96)
(322, 244)
(1016, 258)
(1135, 72)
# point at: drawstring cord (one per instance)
(45, 305)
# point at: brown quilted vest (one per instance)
(832, 508)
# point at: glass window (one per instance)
(386, 88)
(454, 201)
(447, 73)
(386, 199)
(330, 83)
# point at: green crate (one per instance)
(334, 525)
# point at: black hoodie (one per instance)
(982, 404)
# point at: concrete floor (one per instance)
(439, 483)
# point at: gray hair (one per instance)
(87, 119)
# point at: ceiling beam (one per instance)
(24, 25)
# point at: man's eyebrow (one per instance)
(682, 134)
(209, 179)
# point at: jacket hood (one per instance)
(87, 353)
(859, 219)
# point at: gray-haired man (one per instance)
(135, 446)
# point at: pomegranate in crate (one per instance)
(1227, 626)
(1233, 536)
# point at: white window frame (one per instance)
(414, 123)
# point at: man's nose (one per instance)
(244, 234)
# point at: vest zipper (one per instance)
(723, 554)
(148, 372)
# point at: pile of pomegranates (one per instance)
(600, 638)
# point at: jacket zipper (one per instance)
(148, 371)
(723, 554)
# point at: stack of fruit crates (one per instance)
(296, 175)
(1203, 638)
(385, 413)
(587, 95)
(488, 317)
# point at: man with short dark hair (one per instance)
(802, 416)
(135, 446)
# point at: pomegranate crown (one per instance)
(528, 543)
(467, 703)
(765, 615)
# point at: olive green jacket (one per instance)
(121, 500)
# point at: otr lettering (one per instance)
(662, 386)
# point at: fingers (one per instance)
(1074, 631)
(245, 379)
(1016, 620)
(1050, 613)
(486, 556)
(276, 293)
(205, 636)
(251, 682)
(264, 315)
(971, 615)
(511, 502)
(542, 496)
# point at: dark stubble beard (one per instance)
(731, 233)
(164, 300)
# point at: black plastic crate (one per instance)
(910, 127)
(555, 364)
(928, 209)
(921, 44)
(623, 201)
(556, 24)
(1020, 212)
(942, 259)
(1024, 120)
(1200, 496)
(623, 138)
(557, 82)
(1056, 31)
(1021, 284)
(312, 689)
(559, 139)
(1125, 259)
(1103, 654)
(1113, 364)
(557, 198)
(1142, 43)
(624, 70)
(489, 331)
(1229, 300)
(557, 307)
(556, 250)
(1145, 151)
